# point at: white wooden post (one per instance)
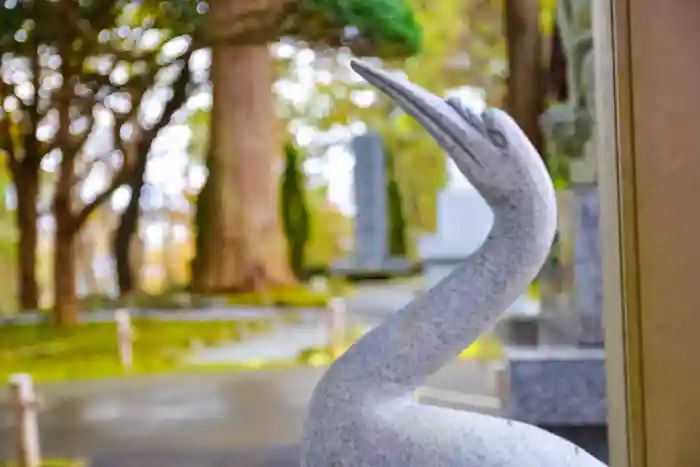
(319, 284)
(125, 338)
(25, 407)
(336, 323)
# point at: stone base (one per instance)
(520, 330)
(591, 438)
(557, 386)
(560, 388)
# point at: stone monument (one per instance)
(562, 387)
(363, 411)
(371, 249)
(463, 222)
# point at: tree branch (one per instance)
(121, 177)
(100, 16)
(78, 143)
(118, 180)
(177, 100)
(6, 144)
(84, 174)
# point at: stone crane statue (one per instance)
(362, 413)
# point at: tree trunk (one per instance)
(525, 90)
(247, 250)
(27, 186)
(557, 85)
(137, 260)
(129, 220)
(128, 227)
(200, 271)
(65, 296)
(85, 250)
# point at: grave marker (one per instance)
(125, 338)
(25, 407)
(371, 227)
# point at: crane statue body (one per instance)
(363, 413)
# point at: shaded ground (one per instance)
(244, 419)
(277, 456)
(207, 415)
(203, 412)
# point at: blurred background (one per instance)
(202, 206)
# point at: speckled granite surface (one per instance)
(362, 413)
(557, 386)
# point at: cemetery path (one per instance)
(380, 300)
(276, 456)
(211, 412)
(241, 419)
(210, 419)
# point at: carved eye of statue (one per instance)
(469, 116)
(497, 138)
(476, 122)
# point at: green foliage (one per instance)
(89, 351)
(8, 248)
(295, 214)
(285, 297)
(386, 28)
(548, 12)
(397, 222)
(389, 24)
(51, 463)
(78, 57)
(450, 31)
(12, 19)
(177, 298)
(328, 229)
(486, 348)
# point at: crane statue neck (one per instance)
(436, 326)
(362, 412)
(395, 358)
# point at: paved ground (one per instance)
(190, 414)
(248, 419)
(276, 456)
(204, 412)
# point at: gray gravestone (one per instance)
(562, 388)
(371, 226)
(371, 249)
(463, 222)
(556, 280)
(588, 290)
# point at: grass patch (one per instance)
(533, 290)
(292, 297)
(89, 351)
(300, 296)
(51, 463)
(486, 348)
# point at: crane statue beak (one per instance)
(452, 129)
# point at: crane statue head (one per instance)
(362, 412)
(490, 149)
